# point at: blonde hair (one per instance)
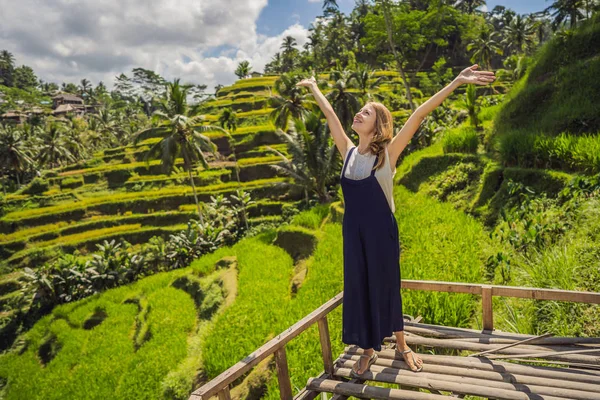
(384, 131)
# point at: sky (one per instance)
(199, 41)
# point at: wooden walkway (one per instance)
(498, 364)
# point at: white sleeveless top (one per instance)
(359, 167)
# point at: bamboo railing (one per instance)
(220, 385)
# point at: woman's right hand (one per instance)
(308, 82)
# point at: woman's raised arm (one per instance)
(342, 141)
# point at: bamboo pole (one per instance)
(550, 353)
(465, 334)
(572, 355)
(493, 365)
(533, 339)
(368, 392)
(454, 372)
(469, 383)
(419, 380)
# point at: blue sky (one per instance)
(279, 14)
(199, 41)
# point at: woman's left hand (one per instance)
(470, 75)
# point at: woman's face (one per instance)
(364, 120)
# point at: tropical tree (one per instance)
(484, 46)
(519, 35)
(228, 121)
(52, 146)
(109, 125)
(243, 69)
(291, 101)
(330, 7)
(389, 26)
(180, 129)
(275, 65)
(313, 156)
(289, 53)
(365, 79)
(344, 102)
(7, 66)
(469, 6)
(472, 106)
(567, 10)
(24, 78)
(15, 152)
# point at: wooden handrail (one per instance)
(220, 384)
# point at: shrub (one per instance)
(37, 186)
(460, 140)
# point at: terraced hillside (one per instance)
(117, 195)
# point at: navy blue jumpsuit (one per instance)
(372, 304)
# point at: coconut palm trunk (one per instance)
(195, 195)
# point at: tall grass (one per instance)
(462, 139)
(565, 151)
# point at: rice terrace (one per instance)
(375, 199)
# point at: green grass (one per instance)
(462, 139)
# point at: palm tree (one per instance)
(344, 102)
(485, 45)
(7, 65)
(289, 52)
(15, 153)
(313, 161)
(469, 6)
(228, 121)
(52, 146)
(84, 88)
(109, 125)
(330, 7)
(274, 66)
(519, 34)
(567, 9)
(365, 80)
(290, 102)
(180, 128)
(243, 69)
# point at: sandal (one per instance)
(413, 357)
(372, 360)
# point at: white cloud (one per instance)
(65, 40)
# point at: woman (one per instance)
(372, 307)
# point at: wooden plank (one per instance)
(230, 375)
(484, 364)
(283, 375)
(529, 340)
(325, 345)
(368, 392)
(487, 310)
(499, 375)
